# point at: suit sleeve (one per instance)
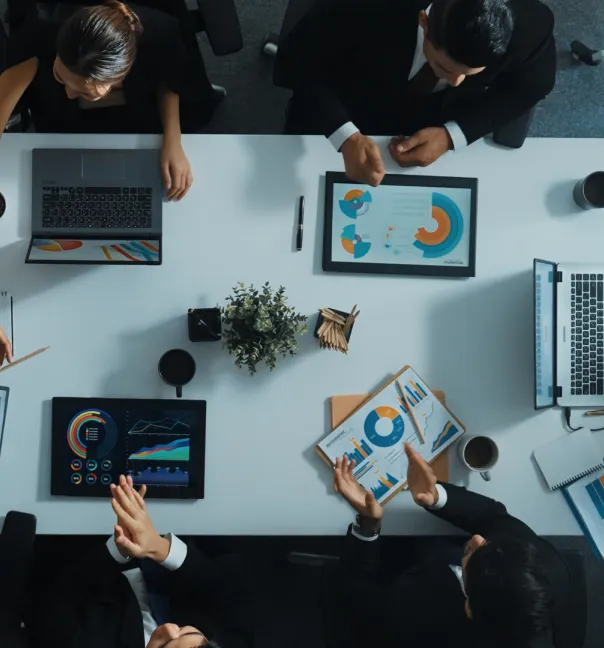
(60, 607)
(310, 61)
(513, 93)
(477, 514)
(224, 594)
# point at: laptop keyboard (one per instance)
(587, 334)
(97, 207)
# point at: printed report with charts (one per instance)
(374, 436)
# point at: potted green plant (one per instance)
(259, 326)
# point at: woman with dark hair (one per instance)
(109, 68)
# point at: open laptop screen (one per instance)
(545, 313)
(103, 251)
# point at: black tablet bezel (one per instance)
(333, 177)
(195, 490)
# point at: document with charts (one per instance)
(374, 436)
(401, 225)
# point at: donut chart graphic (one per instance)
(85, 426)
(48, 245)
(398, 426)
(356, 203)
(353, 243)
(445, 238)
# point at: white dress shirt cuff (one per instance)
(442, 498)
(177, 553)
(457, 137)
(358, 535)
(115, 553)
(338, 138)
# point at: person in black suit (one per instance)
(445, 73)
(504, 587)
(143, 589)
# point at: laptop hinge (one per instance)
(558, 392)
(558, 276)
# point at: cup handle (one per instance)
(179, 391)
(486, 475)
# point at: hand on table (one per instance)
(176, 170)
(135, 534)
(6, 349)
(421, 479)
(363, 160)
(421, 149)
(118, 531)
(362, 501)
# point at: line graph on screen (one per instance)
(166, 426)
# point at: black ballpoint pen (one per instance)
(300, 224)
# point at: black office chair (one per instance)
(218, 18)
(16, 559)
(511, 135)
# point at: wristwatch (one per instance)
(359, 529)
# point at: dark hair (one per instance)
(99, 43)
(475, 33)
(508, 592)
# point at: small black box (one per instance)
(205, 324)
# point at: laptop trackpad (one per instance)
(103, 167)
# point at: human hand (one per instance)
(362, 501)
(363, 160)
(421, 149)
(6, 349)
(134, 532)
(175, 169)
(117, 529)
(421, 479)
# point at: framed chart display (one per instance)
(413, 225)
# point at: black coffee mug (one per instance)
(177, 368)
(589, 193)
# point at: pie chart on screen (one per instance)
(353, 243)
(57, 246)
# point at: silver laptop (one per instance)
(99, 206)
(569, 334)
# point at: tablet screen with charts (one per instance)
(422, 225)
(160, 443)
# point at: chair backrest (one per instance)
(570, 628)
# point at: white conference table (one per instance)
(107, 328)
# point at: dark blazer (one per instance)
(349, 60)
(426, 602)
(91, 604)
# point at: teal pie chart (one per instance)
(384, 440)
(353, 243)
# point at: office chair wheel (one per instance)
(270, 45)
(586, 55)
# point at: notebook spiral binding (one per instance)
(568, 482)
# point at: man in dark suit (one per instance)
(445, 73)
(142, 589)
(505, 587)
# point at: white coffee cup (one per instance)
(478, 453)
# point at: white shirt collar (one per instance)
(419, 60)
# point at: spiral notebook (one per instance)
(569, 458)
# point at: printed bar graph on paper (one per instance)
(595, 490)
(415, 393)
(384, 485)
(361, 452)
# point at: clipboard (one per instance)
(344, 406)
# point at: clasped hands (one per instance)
(420, 479)
(363, 160)
(135, 536)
